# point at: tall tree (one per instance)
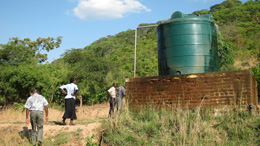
(20, 71)
(18, 51)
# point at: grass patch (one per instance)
(11, 136)
(59, 139)
(86, 122)
(182, 127)
(73, 138)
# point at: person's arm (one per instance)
(109, 94)
(63, 91)
(123, 90)
(75, 90)
(27, 106)
(46, 112)
(72, 94)
(27, 115)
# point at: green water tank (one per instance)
(187, 44)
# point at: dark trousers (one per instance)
(112, 103)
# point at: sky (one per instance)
(81, 22)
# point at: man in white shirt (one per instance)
(70, 101)
(34, 105)
(112, 98)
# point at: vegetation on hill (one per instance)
(111, 59)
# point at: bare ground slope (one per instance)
(12, 122)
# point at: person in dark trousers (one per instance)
(70, 101)
(112, 98)
(119, 97)
(34, 105)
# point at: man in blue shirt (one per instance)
(70, 100)
(119, 97)
(34, 105)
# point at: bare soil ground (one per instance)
(246, 63)
(89, 122)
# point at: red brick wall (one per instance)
(192, 90)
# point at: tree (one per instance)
(20, 71)
(19, 51)
(225, 4)
(201, 12)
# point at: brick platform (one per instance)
(191, 90)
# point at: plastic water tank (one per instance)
(187, 44)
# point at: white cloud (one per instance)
(107, 9)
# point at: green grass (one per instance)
(183, 127)
(59, 139)
(64, 137)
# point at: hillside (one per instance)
(238, 41)
(111, 59)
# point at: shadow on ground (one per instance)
(25, 133)
(57, 123)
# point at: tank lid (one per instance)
(177, 14)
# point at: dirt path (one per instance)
(89, 123)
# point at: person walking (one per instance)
(70, 101)
(119, 97)
(112, 98)
(34, 105)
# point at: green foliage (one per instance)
(226, 59)
(256, 72)
(90, 141)
(17, 82)
(21, 73)
(241, 128)
(19, 51)
(59, 139)
(19, 106)
(239, 24)
(98, 98)
(201, 12)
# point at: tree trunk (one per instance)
(80, 100)
(51, 98)
(256, 18)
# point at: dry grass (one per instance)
(10, 136)
(11, 115)
(14, 131)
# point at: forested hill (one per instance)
(111, 59)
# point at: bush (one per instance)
(256, 72)
(98, 98)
